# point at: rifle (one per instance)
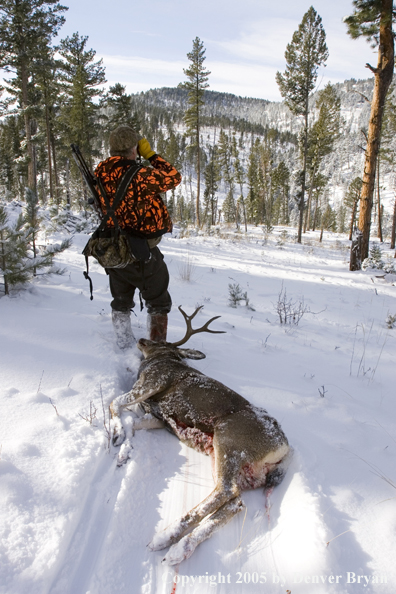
(90, 180)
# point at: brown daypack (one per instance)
(115, 247)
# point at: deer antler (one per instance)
(190, 331)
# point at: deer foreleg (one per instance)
(145, 422)
(187, 545)
(139, 393)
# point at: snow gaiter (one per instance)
(123, 329)
(157, 326)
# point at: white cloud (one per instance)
(247, 80)
(140, 74)
(246, 65)
(264, 41)
(262, 44)
(132, 64)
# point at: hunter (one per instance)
(142, 212)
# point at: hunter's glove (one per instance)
(145, 149)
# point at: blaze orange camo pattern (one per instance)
(142, 209)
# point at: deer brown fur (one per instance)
(247, 446)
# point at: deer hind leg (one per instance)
(187, 545)
(226, 490)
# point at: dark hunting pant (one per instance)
(151, 279)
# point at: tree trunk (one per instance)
(355, 262)
(31, 182)
(379, 229)
(304, 173)
(68, 183)
(56, 188)
(198, 222)
(353, 217)
(306, 223)
(4, 263)
(47, 123)
(309, 202)
(382, 79)
(393, 232)
(315, 213)
(243, 207)
(285, 208)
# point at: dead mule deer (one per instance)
(248, 447)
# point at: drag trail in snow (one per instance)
(71, 522)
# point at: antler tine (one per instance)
(190, 331)
(206, 329)
(186, 316)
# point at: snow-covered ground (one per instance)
(73, 523)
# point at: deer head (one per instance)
(150, 348)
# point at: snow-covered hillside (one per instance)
(73, 523)
(253, 117)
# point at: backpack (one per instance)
(116, 248)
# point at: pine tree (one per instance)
(373, 19)
(212, 179)
(80, 76)
(160, 142)
(329, 219)
(11, 167)
(321, 137)
(38, 259)
(120, 108)
(15, 266)
(182, 213)
(351, 201)
(195, 85)
(226, 165)
(387, 152)
(229, 208)
(281, 187)
(49, 91)
(341, 218)
(306, 52)
(26, 30)
(318, 189)
(174, 149)
(240, 180)
(265, 194)
(253, 183)
(32, 221)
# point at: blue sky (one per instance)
(145, 45)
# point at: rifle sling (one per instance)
(119, 196)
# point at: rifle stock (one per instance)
(88, 177)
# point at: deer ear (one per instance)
(191, 354)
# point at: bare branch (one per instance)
(364, 134)
(361, 94)
(373, 70)
(106, 425)
(56, 410)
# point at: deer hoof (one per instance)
(125, 453)
(180, 551)
(118, 436)
(160, 541)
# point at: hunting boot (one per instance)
(157, 325)
(122, 328)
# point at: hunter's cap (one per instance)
(123, 139)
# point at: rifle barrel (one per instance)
(88, 177)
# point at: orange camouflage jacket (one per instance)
(142, 209)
